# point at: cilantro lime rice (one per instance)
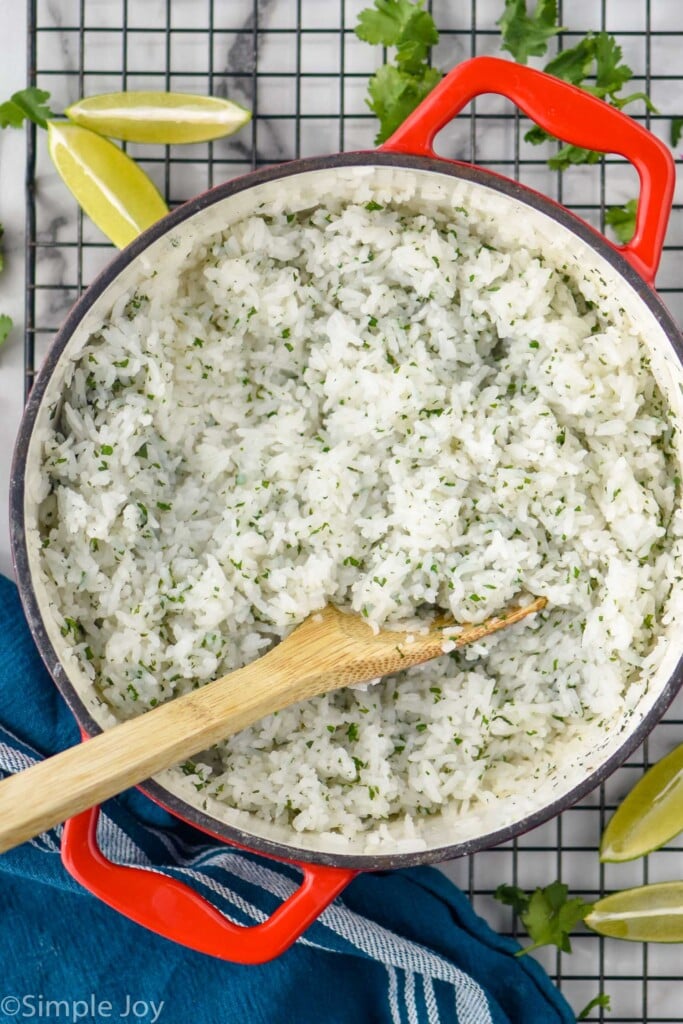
(391, 410)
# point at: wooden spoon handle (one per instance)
(303, 665)
(55, 789)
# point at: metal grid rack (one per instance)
(302, 71)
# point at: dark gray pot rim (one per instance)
(177, 806)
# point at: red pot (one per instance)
(161, 903)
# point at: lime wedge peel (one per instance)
(115, 193)
(650, 816)
(650, 913)
(160, 117)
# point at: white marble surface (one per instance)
(567, 845)
(12, 216)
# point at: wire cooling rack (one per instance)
(302, 71)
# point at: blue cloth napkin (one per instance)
(400, 946)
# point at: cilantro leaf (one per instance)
(11, 116)
(550, 916)
(547, 914)
(597, 54)
(536, 136)
(396, 89)
(569, 155)
(412, 48)
(602, 1000)
(395, 93)
(622, 220)
(527, 35)
(610, 74)
(676, 130)
(28, 103)
(399, 23)
(574, 65)
(6, 325)
(386, 23)
(512, 896)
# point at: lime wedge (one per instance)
(651, 814)
(115, 193)
(651, 913)
(165, 117)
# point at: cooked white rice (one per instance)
(383, 409)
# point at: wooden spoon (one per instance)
(327, 651)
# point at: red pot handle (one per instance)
(174, 910)
(568, 113)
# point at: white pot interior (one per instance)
(518, 222)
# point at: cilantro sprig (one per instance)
(595, 65)
(547, 914)
(396, 89)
